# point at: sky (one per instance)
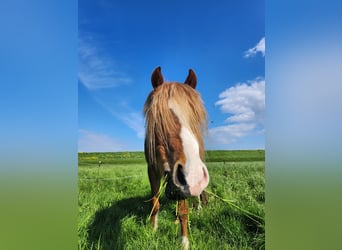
(120, 43)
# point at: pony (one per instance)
(175, 120)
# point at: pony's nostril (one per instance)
(180, 175)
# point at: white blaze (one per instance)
(193, 163)
(195, 172)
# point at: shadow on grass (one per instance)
(105, 229)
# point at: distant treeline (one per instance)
(139, 157)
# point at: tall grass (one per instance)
(113, 209)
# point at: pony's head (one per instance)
(175, 122)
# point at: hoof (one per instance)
(185, 243)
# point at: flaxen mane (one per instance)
(160, 118)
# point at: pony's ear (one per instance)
(157, 78)
(191, 79)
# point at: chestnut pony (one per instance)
(175, 121)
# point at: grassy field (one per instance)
(113, 207)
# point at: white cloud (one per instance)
(135, 121)
(89, 141)
(96, 70)
(260, 47)
(230, 133)
(245, 104)
(245, 101)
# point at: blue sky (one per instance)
(121, 42)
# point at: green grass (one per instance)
(234, 155)
(111, 158)
(139, 157)
(113, 210)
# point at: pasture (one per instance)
(113, 204)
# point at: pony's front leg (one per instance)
(155, 184)
(203, 197)
(155, 209)
(183, 217)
